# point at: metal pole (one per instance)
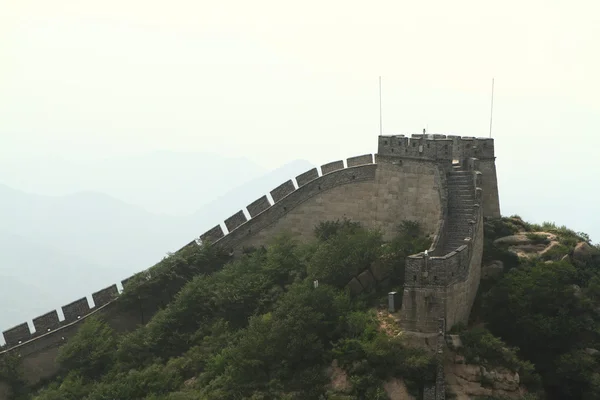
(380, 117)
(492, 108)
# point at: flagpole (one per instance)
(380, 116)
(492, 108)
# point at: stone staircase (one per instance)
(461, 204)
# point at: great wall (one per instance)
(446, 183)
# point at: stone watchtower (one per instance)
(441, 283)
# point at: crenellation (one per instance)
(282, 190)
(79, 308)
(258, 206)
(332, 167)
(212, 234)
(17, 335)
(46, 323)
(126, 281)
(105, 296)
(306, 177)
(235, 220)
(360, 160)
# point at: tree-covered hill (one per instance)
(259, 328)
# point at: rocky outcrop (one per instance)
(396, 390)
(583, 252)
(468, 381)
(528, 244)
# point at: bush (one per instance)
(481, 347)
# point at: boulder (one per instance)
(354, 286)
(502, 379)
(591, 352)
(366, 279)
(583, 252)
(380, 270)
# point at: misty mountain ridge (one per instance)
(162, 182)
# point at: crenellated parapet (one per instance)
(287, 197)
(262, 213)
(436, 147)
(51, 322)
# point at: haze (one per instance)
(167, 106)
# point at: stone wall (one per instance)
(444, 286)
(460, 295)
(377, 195)
(491, 198)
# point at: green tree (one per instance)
(90, 352)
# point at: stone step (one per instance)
(455, 216)
(459, 234)
(459, 191)
(461, 200)
(456, 245)
(459, 183)
(466, 186)
(461, 203)
(459, 237)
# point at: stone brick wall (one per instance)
(409, 186)
(491, 198)
(445, 286)
(377, 195)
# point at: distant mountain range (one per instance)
(55, 249)
(162, 182)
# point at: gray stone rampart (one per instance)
(258, 206)
(294, 199)
(75, 310)
(287, 197)
(235, 220)
(46, 323)
(105, 295)
(306, 177)
(443, 286)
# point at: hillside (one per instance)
(258, 328)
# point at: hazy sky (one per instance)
(275, 81)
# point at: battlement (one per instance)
(286, 197)
(436, 147)
(262, 212)
(50, 322)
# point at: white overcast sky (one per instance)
(275, 81)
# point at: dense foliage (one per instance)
(255, 327)
(546, 306)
